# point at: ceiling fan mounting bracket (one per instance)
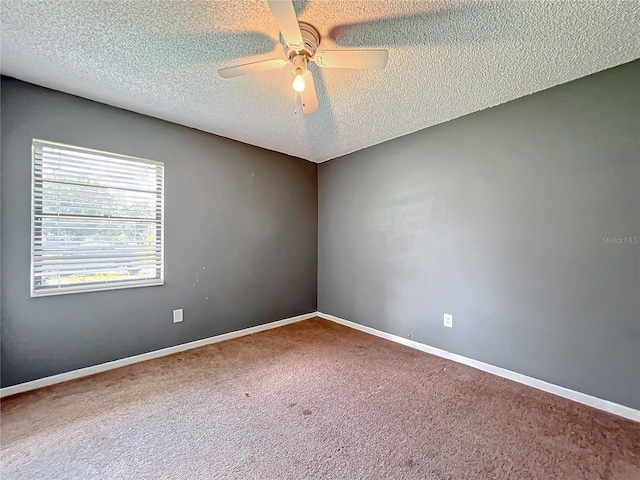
(311, 39)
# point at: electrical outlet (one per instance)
(448, 320)
(178, 315)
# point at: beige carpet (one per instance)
(305, 401)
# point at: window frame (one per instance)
(94, 287)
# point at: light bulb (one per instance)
(298, 83)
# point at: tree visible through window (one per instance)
(97, 220)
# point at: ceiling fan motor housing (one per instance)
(311, 39)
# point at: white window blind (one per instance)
(97, 220)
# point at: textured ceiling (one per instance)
(447, 59)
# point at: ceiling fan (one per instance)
(301, 41)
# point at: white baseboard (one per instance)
(103, 367)
(600, 404)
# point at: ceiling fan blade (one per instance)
(253, 67)
(308, 95)
(287, 20)
(376, 59)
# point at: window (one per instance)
(97, 220)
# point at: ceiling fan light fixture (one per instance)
(299, 70)
(298, 83)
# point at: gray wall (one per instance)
(498, 218)
(240, 246)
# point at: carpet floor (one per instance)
(306, 401)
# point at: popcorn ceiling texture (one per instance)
(447, 59)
